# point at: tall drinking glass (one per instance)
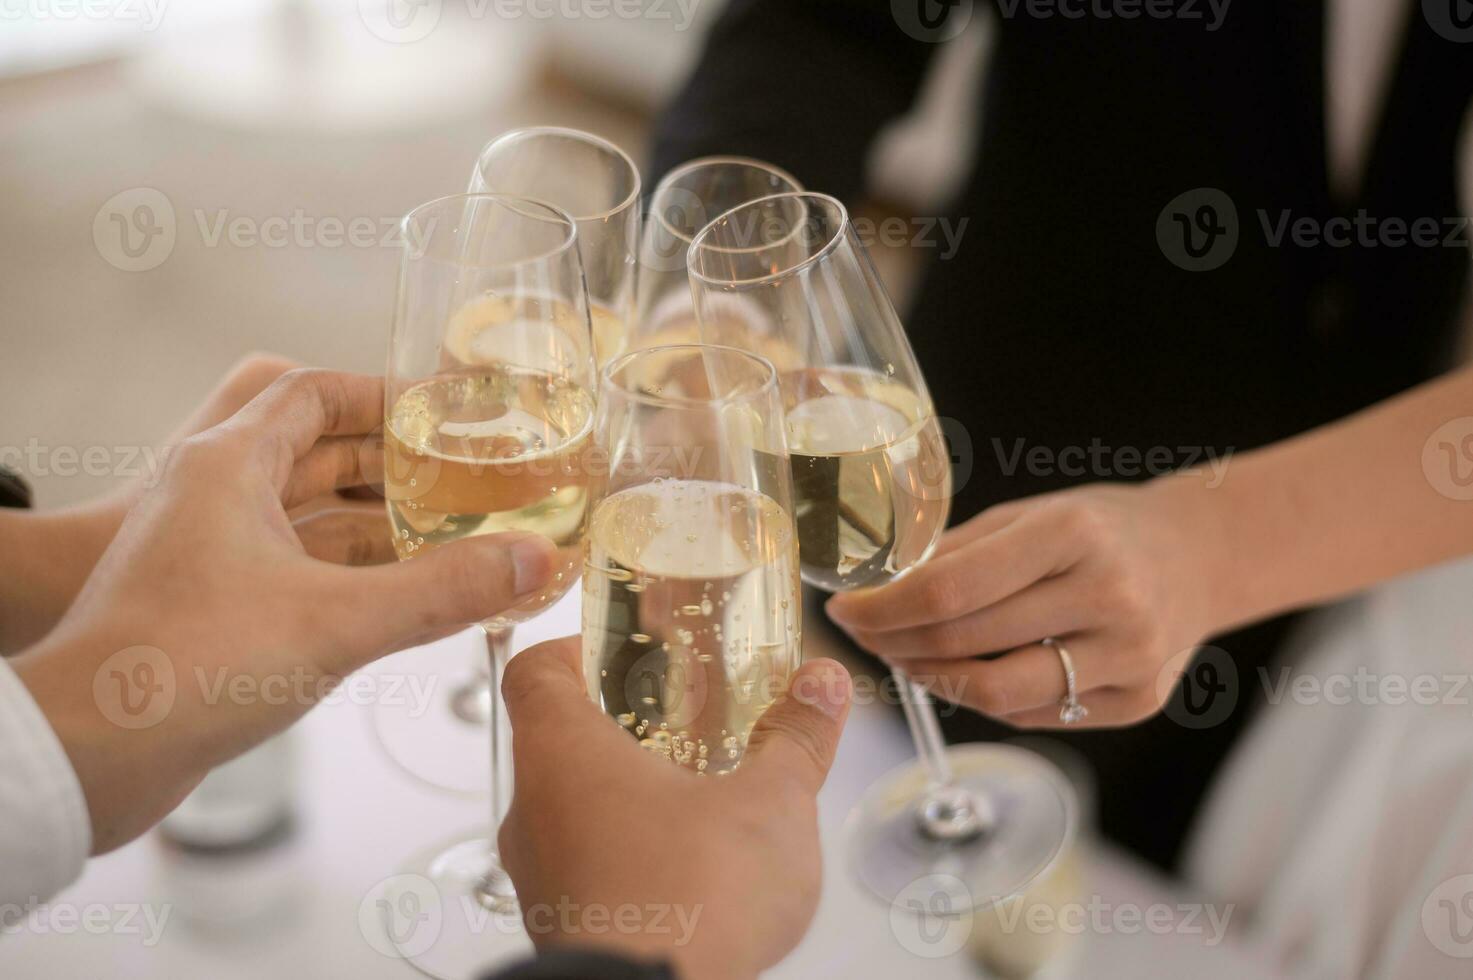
(598, 184)
(494, 444)
(692, 619)
(872, 490)
(682, 204)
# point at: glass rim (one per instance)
(582, 136)
(556, 215)
(833, 243)
(767, 387)
(716, 161)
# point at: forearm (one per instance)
(1339, 508)
(127, 725)
(48, 557)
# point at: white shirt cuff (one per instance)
(45, 830)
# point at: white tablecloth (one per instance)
(361, 818)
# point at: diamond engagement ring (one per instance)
(1070, 710)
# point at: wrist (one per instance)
(112, 709)
(1204, 547)
(51, 556)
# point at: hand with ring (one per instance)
(1053, 610)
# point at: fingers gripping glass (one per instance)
(488, 418)
(872, 491)
(597, 184)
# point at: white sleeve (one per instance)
(45, 831)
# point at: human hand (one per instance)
(1116, 574)
(72, 539)
(719, 876)
(211, 589)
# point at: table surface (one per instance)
(361, 818)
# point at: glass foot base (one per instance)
(453, 913)
(433, 719)
(1029, 814)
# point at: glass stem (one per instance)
(498, 648)
(471, 699)
(494, 891)
(945, 812)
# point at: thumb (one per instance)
(543, 685)
(797, 737)
(440, 591)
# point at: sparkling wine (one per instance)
(692, 622)
(871, 476)
(490, 449)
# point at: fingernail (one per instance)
(531, 559)
(825, 685)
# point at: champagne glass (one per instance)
(872, 489)
(490, 445)
(682, 204)
(692, 619)
(598, 185)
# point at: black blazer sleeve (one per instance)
(571, 964)
(804, 84)
(13, 490)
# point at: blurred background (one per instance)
(277, 142)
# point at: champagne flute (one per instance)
(682, 204)
(598, 185)
(496, 444)
(872, 489)
(692, 617)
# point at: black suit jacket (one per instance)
(1061, 322)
